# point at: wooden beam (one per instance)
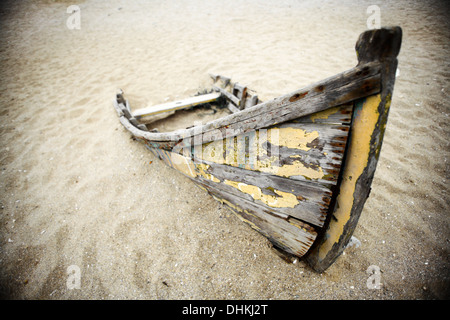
(217, 77)
(230, 96)
(252, 102)
(240, 92)
(176, 105)
(243, 98)
(232, 108)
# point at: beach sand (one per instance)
(78, 192)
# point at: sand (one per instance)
(77, 191)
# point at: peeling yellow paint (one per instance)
(187, 167)
(358, 153)
(294, 138)
(232, 205)
(282, 243)
(213, 152)
(202, 172)
(297, 168)
(254, 226)
(300, 226)
(183, 164)
(250, 214)
(324, 114)
(284, 200)
(251, 154)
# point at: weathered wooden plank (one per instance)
(291, 235)
(300, 151)
(312, 191)
(125, 111)
(127, 105)
(176, 105)
(217, 77)
(243, 98)
(142, 127)
(133, 121)
(117, 108)
(239, 196)
(340, 89)
(238, 89)
(156, 117)
(306, 201)
(338, 115)
(140, 134)
(252, 101)
(294, 110)
(168, 145)
(241, 93)
(232, 108)
(230, 96)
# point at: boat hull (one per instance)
(297, 169)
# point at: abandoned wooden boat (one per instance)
(298, 168)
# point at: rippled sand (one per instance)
(77, 191)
